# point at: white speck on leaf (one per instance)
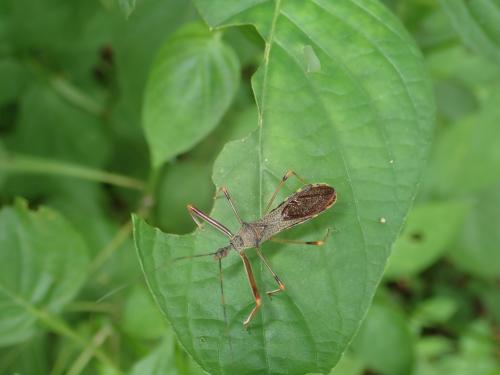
(382, 220)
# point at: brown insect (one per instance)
(303, 205)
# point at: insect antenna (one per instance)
(130, 283)
(141, 275)
(195, 256)
(223, 302)
(219, 254)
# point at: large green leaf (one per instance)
(478, 24)
(192, 83)
(43, 264)
(343, 99)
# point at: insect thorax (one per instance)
(248, 236)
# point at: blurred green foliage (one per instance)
(73, 76)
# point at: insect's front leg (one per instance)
(231, 203)
(253, 286)
(281, 286)
(196, 213)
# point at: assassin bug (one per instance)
(305, 204)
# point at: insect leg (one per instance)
(231, 203)
(287, 175)
(253, 286)
(223, 301)
(195, 214)
(298, 242)
(281, 286)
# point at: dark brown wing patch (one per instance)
(308, 202)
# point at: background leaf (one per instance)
(368, 107)
(192, 82)
(478, 242)
(467, 157)
(385, 331)
(429, 229)
(478, 24)
(43, 265)
(127, 6)
(135, 43)
(141, 317)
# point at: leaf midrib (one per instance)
(267, 52)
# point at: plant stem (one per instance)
(103, 255)
(58, 325)
(89, 306)
(27, 164)
(84, 358)
(75, 96)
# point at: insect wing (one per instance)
(308, 202)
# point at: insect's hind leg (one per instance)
(287, 175)
(281, 286)
(298, 242)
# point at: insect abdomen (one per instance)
(308, 202)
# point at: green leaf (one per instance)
(192, 84)
(348, 365)
(454, 100)
(384, 342)
(72, 34)
(467, 155)
(51, 127)
(13, 78)
(477, 22)
(435, 31)
(431, 347)
(141, 317)
(29, 358)
(362, 124)
(429, 229)
(475, 354)
(458, 64)
(43, 264)
(164, 360)
(237, 124)
(476, 249)
(136, 43)
(127, 6)
(3, 155)
(180, 183)
(194, 175)
(160, 361)
(437, 310)
(491, 300)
